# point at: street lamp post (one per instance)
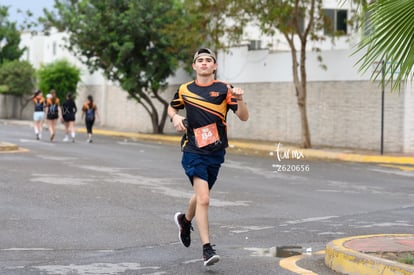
(382, 104)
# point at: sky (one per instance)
(35, 6)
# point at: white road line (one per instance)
(94, 268)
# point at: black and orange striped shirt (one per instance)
(204, 105)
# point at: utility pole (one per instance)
(382, 105)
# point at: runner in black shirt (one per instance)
(206, 102)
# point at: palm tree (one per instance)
(390, 40)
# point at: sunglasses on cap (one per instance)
(204, 52)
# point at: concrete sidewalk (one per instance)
(365, 254)
(350, 255)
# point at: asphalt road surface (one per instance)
(107, 208)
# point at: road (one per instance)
(107, 208)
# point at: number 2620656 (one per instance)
(291, 167)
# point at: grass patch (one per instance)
(407, 259)
(404, 257)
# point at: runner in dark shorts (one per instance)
(206, 102)
(53, 112)
(205, 167)
(69, 110)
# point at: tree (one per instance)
(18, 78)
(210, 23)
(59, 75)
(390, 40)
(128, 41)
(9, 38)
(139, 44)
(298, 21)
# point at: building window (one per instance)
(336, 22)
(54, 48)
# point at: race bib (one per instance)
(206, 135)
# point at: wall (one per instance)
(409, 118)
(10, 108)
(117, 111)
(341, 114)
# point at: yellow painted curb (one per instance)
(151, 137)
(347, 261)
(290, 264)
(378, 159)
(266, 149)
(4, 146)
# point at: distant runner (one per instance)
(39, 113)
(90, 112)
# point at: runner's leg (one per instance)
(202, 194)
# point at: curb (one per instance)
(257, 148)
(348, 261)
(270, 150)
(4, 146)
(148, 137)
